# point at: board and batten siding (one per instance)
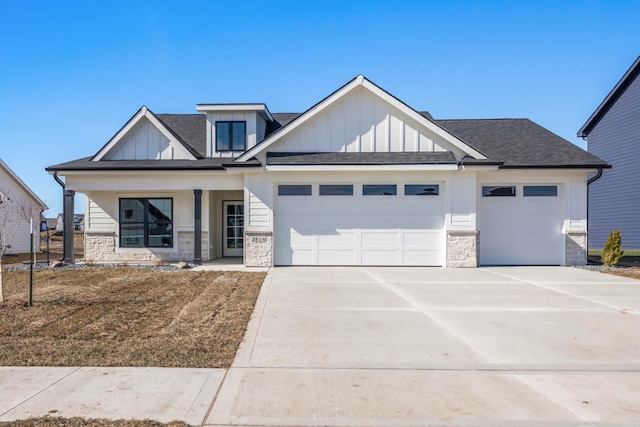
(360, 123)
(613, 199)
(255, 128)
(144, 142)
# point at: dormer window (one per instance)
(231, 136)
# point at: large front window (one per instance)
(231, 136)
(146, 223)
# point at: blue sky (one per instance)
(73, 72)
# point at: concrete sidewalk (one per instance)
(162, 394)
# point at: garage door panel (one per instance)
(380, 239)
(358, 230)
(337, 239)
(521, 230)
(423, 239)
(421, 257)
(334, 256)
(380, 257)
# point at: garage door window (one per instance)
(336, 190)
(379, 190)
(294, 190)
(421, 190)
(495, 191)
(540, 191)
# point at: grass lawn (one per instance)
(83, 422)
(126, 317)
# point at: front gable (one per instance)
(144, 137)
(362, 118)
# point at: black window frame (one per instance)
(288, 190)
(435, 192)
(487, 193)
(535, 188)
(229, 142)
(145, 222)
(369, 190)
(322, 191)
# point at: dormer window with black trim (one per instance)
(231, 136)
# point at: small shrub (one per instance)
(612, 251)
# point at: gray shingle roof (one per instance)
(217, 163)
(509, 143)
(520, 143)
(441, 157)
(190, 128)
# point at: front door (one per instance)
(233, 228)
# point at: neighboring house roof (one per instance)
(414, 158)
(22, 185)
(617, 91)
(520, 143)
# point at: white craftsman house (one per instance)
(360, 178)
(19, 204)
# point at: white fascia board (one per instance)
(465, 148)
(22, 184)
(259, 108)
(305, 117)
(143, 112)
(346, 168)
(479, 168)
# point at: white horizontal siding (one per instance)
(97, 219)
(360, 122)
(613, 200)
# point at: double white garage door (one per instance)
(408, 229)
(320, 228)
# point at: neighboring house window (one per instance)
(294, 190)
(336, 190)
(231, 136)
(540, 191)
(421, 190)
(379, 190)
(493, 191)
(146, 223)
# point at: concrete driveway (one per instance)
(503, 346)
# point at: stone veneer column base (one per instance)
(258, 248)
(575, 252)
(463, 248)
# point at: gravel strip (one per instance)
(42, 266)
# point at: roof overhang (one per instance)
(258, 108)
(611, 99)
(22, 185)
(142, 113)
(356, 168)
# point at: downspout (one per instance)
(59, 181)
(590, 181)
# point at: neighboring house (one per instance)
(78, 222)
(52, 223)
(360, 178)
(613, 134)
(14, 190)
(60, 222)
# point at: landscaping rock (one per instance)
(183, 265)
(56, 264)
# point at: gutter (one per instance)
(595, 178)
(590, 181)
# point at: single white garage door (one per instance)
(356, 224)
(521, 225)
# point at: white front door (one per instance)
(233, 234)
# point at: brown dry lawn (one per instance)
(83, 422)
(126, 317)
(633, 272)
